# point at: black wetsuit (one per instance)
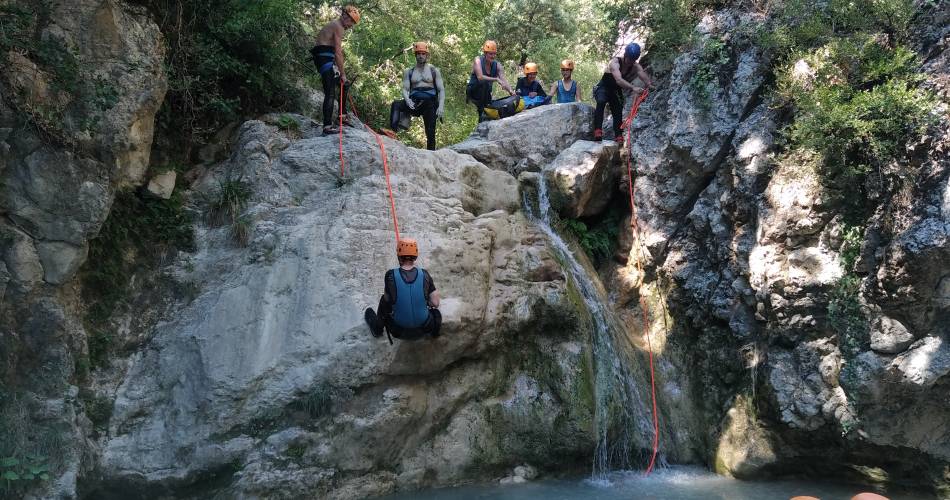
(426, 104)
(608, 92)
(479, 91)
(324, 57)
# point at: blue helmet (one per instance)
(632, 51)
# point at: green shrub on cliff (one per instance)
(857, 105)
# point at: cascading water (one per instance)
(622, 418)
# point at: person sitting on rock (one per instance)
(328, 56)
(566, 90)
(409, 307)
(485, 71)
(530, 88)
(617, 77)
(423, 94)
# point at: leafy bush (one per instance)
(228, 59)
(714, 55)
(857, 109)
(846, 317)
(139, 229)
(598, 240)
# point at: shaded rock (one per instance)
(889, 336)
(163, 184)
(60, 260)
(582, 178)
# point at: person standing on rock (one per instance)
(409, 307)
(617, 77)
(423, 93)
(530, 88)
(565, 89)
(485, 71)
(328, 56)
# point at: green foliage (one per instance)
(29, 447)
(858, 111)
(715, 54)
(804, 24)
(139, 229)
(521, 26)
(227, 208)
(599, 240)
(228, 59)
(287, 123)
(851, 246)
(846, 317)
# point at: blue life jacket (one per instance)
(411, 309)
(566, 95)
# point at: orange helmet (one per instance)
(420, 47)
(353, 12)
(490, 46)
(567, 64)
(407, 247)
(530, 68)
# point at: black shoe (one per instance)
(375, 327)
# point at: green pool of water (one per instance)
(675, 483)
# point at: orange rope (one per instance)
(382, 153)
(639, 264)
(341, 128)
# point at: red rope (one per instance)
(639, 264)
(341, 128)
(382, 153)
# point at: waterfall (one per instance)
(622, 420)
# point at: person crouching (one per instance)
(408, 309)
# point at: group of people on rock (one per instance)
(423, 88)
(408, 308)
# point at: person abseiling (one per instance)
(423, 94)
(566, 89)
(409, 306)
(328, 56)
(617, 77)
(485, 71)
(530, 88)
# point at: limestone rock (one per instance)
(162, 185)
(537, 134)
(889, 336)
(60, 260)
(583, 176)
(272, 361)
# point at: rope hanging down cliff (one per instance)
(638, 249)
(382, 153)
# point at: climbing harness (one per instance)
(639, 265)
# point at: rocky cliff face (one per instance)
(745, 250)
(254, 376)
(80, 86)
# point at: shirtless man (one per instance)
(328, 56)
(616, 78)
(485, 71)
(422, 88)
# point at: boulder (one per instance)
(162, 185)
(536, 135)
(583, 178)
(889, 336)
